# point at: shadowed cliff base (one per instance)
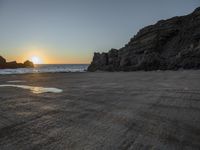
(168, 45)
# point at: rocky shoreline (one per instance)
(14, 64)
(170, 44)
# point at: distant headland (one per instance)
(14, 64)
(168, 45)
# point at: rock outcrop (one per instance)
(14, 64)
(28, 63)
(167, 45)
(2, 60)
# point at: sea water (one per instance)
(44, 68)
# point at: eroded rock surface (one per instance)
(168, 45)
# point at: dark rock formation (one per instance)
(2, 60)
(14, 64)
(28, 63)
(168, 45)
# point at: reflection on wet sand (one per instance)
(16, 81)
(34, 89)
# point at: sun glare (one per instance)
(36, 60)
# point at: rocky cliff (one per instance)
(167, 45)
(14, 64)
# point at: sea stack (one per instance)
(167, 45)
(14, 64)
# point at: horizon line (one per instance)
(63, 64)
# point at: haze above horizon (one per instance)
(70, 31)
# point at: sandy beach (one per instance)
(102, 111)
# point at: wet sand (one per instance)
(102, 111)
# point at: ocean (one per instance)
(45, 68)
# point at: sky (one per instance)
(70, 31)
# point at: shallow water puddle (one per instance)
(34, 89)
(16, 81)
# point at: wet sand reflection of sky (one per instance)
(34, 89)
(16, 81)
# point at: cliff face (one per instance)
(14, 64)
(168, 45)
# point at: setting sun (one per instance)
(36, 60)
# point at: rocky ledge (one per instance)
(167, 45)
(14, 64)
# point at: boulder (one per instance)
(28, 64)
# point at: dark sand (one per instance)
(97, 111)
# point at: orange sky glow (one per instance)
(44, 57)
